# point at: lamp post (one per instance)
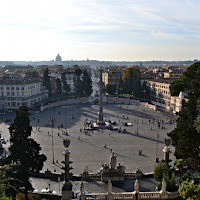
(137, 121)
(157, 160)
(52, 126)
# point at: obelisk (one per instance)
(101, 122)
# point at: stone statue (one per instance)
(113, 161)
(136, 186)
(164, 186)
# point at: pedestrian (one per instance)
(58, 134)
(48, 132)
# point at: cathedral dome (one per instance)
(58, 58)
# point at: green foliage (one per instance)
(110, 89)
(78, 72)
(87, 83)
(46, 81)
(58, 86)
(160, 171)
(176, 87)
(185, 136)
(130, 82)
(83, 87)
(66, 87)
(24, 151)
(197, 120)
(189, 191)
(179, 164)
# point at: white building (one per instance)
(16, 93)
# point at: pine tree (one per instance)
(185, 136)
(66, 86)
(46, 81)
(58, 86)
(87, 84)
(24, 151)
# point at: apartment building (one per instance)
(16, 93)
(160, 92)
(112, 76)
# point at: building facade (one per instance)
(16, 93)
(112, 76)
(160, 92)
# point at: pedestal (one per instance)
(67, 193)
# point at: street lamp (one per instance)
(157, 159)
(137, 121)
(52, 126)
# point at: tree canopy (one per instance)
(131, 81)
(46, 81)
(24, 152)
(185, 137)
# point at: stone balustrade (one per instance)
(161, 195)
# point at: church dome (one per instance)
(58, 58)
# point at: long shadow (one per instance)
(135, 112)
(142, 136)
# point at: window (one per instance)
(12, 88)
(2, 88)
(13, 94)
(17, 88)
(22, 88)
(7, 88)
(8, 93)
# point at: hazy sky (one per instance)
(100, 29)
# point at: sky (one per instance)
(114, 30)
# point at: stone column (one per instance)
(109, 195)
(67, 193)
(136, 186)
(82, 196)
(167, 150)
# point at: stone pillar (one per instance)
(67, 193)
(109, 195)
(136, 186)
(101, 100)
(82, 196)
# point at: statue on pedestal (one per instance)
(113, 161)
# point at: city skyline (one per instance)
(129, 30)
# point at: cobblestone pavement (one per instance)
(87, 150)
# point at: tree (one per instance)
(66, 87)
(185, 137)
(189, 191)
(10, 185)
(87, 84)
(46, 81)
(145, 90)
(111, 89)
(179, 164)
(58, 86)
(162, 171)
(197, 120)
(24, 152)
(131, 79)
(78, 86)
(78, 72)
